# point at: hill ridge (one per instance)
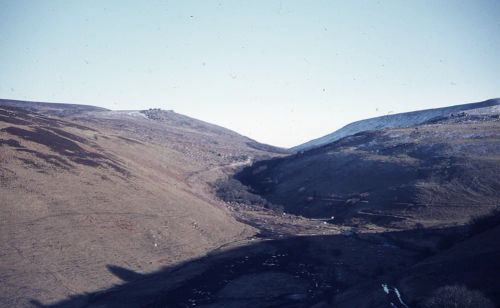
(399, 120)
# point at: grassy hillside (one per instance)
(82, 188)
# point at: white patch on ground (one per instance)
(399, 297)
(137, 114)
(386, 289)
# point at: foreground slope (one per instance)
(350, 270)
(82, 188)
(471, 261)
(442, 171)
(400, 120)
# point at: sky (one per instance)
(280, 72)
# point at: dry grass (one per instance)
(78, 195)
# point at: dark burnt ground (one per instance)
(10, 142)
(334, 270)
(445, 170)
(54, 160)
(306, 281)
(28, 116)
(65, 147)
(292, 272)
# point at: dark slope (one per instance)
(399, 120)
(314, 271)
(442, 172)
(472, 261)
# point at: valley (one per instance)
(151, 208)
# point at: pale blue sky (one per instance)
(281, 72)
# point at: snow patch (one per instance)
(401, 120)
(385, 288)
(399, 297)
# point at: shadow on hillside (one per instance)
(290, 272)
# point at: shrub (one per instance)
(232, 191)
(457, 297)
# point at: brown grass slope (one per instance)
(436, 173)
(84, 188)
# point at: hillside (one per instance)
(471, 261)
(400, 120)
(50, 108)
(106, 208)
(82, 187)
(439, 172)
